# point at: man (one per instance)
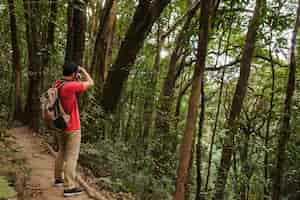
(69, 139)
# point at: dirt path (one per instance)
(41, 163)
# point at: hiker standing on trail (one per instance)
(69, 139)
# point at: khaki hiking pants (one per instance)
(66, 161)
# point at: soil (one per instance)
(39, 185)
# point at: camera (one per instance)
(78, 75)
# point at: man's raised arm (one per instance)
(89, 81)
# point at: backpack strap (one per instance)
(61, 84)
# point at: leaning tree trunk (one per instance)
(32, 14)
(164, 115)
(284, 133)
(76, 31)
(103, 46)
(162, 122)
(145, 15)
(237, 101)
(194, 100)
(16, 62)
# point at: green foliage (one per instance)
(123, 167)
(6, 191)
(114, 145)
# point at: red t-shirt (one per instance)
(67, 94)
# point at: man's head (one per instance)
(70, 70)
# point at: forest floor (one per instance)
(39, 160)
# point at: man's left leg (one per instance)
(72, 139)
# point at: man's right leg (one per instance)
(59, 162)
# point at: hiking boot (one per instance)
(72, 192)
(58, 183)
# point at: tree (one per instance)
(145, 15)
(76, 31)
(34, 46)
(237, 102)
(199, 150)
(103, 45)
(16, 61)
(194, 100)
(164, 115)
(49, 39)
(284, 132)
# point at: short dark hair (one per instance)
(69, 68)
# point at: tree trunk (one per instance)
(212, 142)
(76, 31)
(145, 16)
(194, 100)
(179, 101)
(269, 120)
(164, 113)
(150, 95)
(32, 14)
(16, 62)
(199, 195)
(237, 101)
(103, 46)
(48, 44)
(284, 133)
(245, 166)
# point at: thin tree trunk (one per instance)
(145, 16)
(150, 98)
(48, 44)
(266, 157)
(218, 110)
(103, 46)
(16, 63)
(32, 13)
(237, 101)
(214, 133)
(76, 31)
(164, 113)
(179, 100)
(199, 195)
(164, 118)
(194, 100)
(245, 167)
(284, 133)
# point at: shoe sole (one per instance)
(72, 194)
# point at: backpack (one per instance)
(53, 113)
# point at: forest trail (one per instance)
(41, 163)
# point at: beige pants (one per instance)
(66, 161)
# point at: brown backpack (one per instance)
(53, 113)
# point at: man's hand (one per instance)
(89, 81)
